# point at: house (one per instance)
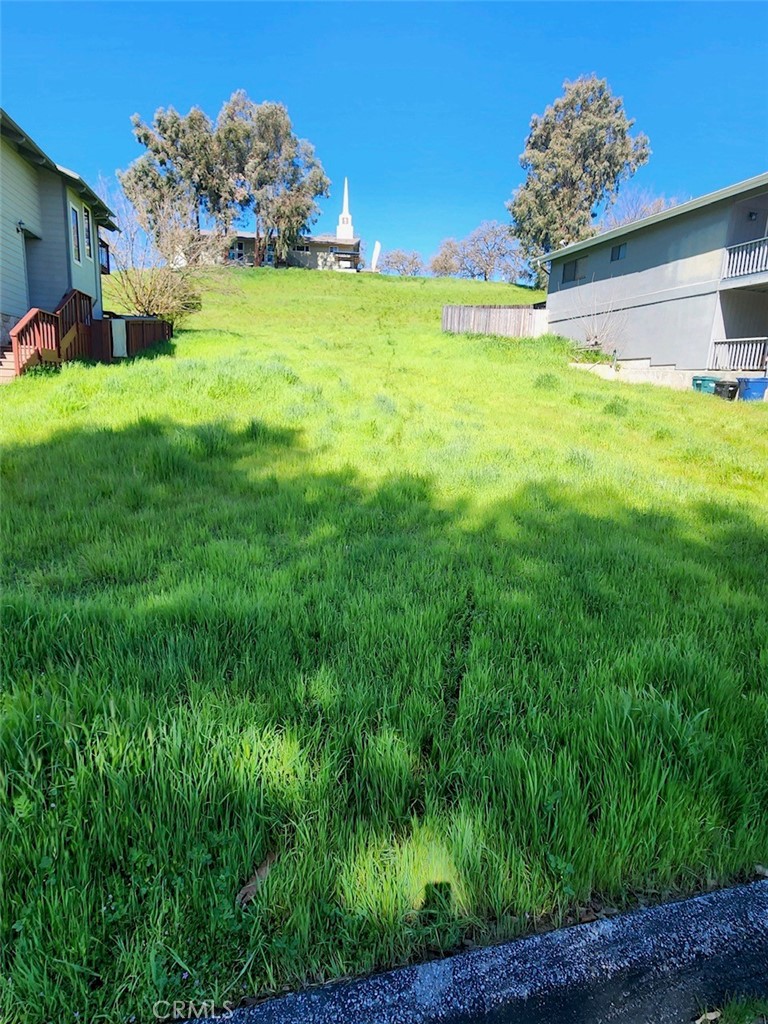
(51, 259)
(340, 251)
(686, 288)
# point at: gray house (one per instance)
(49, 238)
(685, 288)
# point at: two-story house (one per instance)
(687, 287)
(49, 240)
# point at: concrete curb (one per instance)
(653, 966)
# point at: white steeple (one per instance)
(344, 230)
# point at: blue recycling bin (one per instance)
(752, 389)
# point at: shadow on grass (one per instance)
(162, 348)
(442, 728)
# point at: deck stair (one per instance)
(43, 337)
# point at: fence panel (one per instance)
(506, 321)
(141, 333)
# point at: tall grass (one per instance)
(465, 637)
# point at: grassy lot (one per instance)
(466, 638)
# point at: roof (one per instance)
(731, 192)
(31, 152)
(330, 239)
(303, 239)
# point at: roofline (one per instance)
(301, 239)
(15, 134)
(759, 181)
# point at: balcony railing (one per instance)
(739, 354)
(747, 258)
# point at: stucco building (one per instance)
(687, 287)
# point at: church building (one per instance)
(315, 252)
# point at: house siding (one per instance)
(666, 300)
(658, 302)
(85, 276)
(18, 201)
(47, 263)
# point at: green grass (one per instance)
(467, 637)
(748, 1012)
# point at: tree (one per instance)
(400, 261)
(249, 161)
(576, 156)
(635, 204)
(447, 260)
(183, 163)
(486, 252)
(155, 253)
(284, 179)
(490, 250)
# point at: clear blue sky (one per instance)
(425, 106)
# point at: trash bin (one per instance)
(752, 389)
(705, 384)
(727, 389)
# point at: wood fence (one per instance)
(140, 333)
(507, 321)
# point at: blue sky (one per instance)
(425, 106)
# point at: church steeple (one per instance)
(344, 230)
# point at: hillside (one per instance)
(467, 640)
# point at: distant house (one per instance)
(51, 261)
(687, 287)
(315, 252)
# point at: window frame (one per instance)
(75, 234)
(88, 233)
(578, 271)
(618, 252)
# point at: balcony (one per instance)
(739, 354)
(747, 258)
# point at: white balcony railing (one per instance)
(747, 258)
(739, 354)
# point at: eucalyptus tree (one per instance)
(249, 162)
(577, 154)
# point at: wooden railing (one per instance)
(34, 336)
(739, 354)
(41, 336)
(75, 312)
(747, 258)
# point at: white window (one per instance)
(619, 252)
(75, 223)
(87, 233)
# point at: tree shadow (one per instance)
(233, 653)
(156, 351)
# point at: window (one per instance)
(75, 219)
(573, 270)
(301, 248)
(87, 233)
(619, 252)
